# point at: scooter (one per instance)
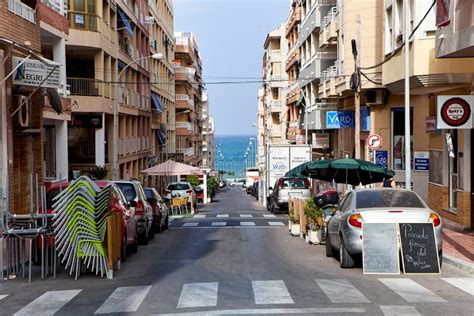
(328, 201)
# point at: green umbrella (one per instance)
(348, 171)
(302, 170)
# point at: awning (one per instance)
(157, 102)
(161, 137)
(125, 21)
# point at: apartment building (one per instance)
(275, 85)
(207, 134)
(293, 132)
(261, 129)
(162, 82)
(189, 93)
(108, 70)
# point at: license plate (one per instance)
(294, 194)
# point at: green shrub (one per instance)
(314, 214)
(194, 180)
(99, 173)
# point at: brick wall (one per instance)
(438, 200)
(53, 18)
(18, 29)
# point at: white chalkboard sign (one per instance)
(380, 253)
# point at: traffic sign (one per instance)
(374, 141)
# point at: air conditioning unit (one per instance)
(375, 97)
(22, 102)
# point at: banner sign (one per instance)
(454, 112)
(442, 12)
(338, 120)
(421, 160)
(321, 140)
(33, 72)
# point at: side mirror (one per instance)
(133, 203)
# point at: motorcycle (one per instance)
(328, 201)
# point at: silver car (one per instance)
(383, 205)
(183, 189)
(284, 189)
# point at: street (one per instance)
(200, 267)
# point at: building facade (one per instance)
(207, 134)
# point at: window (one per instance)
(398, 138)
(346, 202)
(387, 198)
(388, 30)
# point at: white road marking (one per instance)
(190, 224)
(247, 223)
(271, 292)
(276, 224)
(246, 215)
(199, 216)
(48, 303)
(198, 295)
(124, 300)
(222, 215)
(269, 215)
(273, 311)
(3, 296)
(219, 223)
(411, 291)
(341, 291)
(465, 284)
(399, 311)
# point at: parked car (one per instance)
(119, 204)
(135, 195)
(53, 188)
(284, 189)
(222, 184)
(255, 190)
(238, 183)
(382, 205)
(160, 210)
(175, 189)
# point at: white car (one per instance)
(176, 189)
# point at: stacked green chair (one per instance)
(80, 222)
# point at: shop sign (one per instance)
(454, 112)
(321, 141)
(430, 122)
(421, 160)
(33, 72)
(338, 120)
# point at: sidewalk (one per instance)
(458, 249)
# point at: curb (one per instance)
(460, 264)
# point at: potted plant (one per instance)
(290, 218)
(315, 215)
(295, 224)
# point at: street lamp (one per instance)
(157, 56)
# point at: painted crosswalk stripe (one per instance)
(219, 223)
(341, 291)
(399, 310)
(269, 215)
(190, 224)
(465, 284)
(199, 216)
(246, 215)
(48, 303)
(247, 223)
(222, 215)
(276, 224)
(124, 300)
(272, 311)
(271, 292)
(198, 295)
(411, 291)
(2, 296)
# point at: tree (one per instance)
(194, 180)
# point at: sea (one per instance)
(230, 154)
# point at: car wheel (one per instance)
(143, 238)
(123, 251)
(329, 250)
(345, 257)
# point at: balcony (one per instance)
(184, 74)
(275, 106)
(83, 21)
(329, 28)
(293, 57)
(89, 87)
(22, 10)
(183, 101)
(313, 69)
(187, 152)
(311, 22)
(293, 19)
(274, 54)
(133, 145)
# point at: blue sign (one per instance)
(381, 158)
(336, 119)
(421, 161)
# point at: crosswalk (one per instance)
(218, 215)
(265, 294)
(228, 223)
(219, 220)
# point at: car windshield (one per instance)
(387, 198)
(178, 186)
(294, 184)
(149, 193)
(128, 191)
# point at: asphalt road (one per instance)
(243, 266)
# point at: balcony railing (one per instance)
(83, 21)
(186, 125)
(89, 87)
(331, 16)
(186, 151)
(331, 72)
(21, 9)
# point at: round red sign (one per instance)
(455, 112)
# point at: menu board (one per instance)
(380, 248)
(419, 251)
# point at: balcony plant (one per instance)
(315, 215)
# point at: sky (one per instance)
(230, 36)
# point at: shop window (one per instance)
(436, 167)
(398, 138)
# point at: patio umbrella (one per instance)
(171, 168)
(348, 171)
(301, 170)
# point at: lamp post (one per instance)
(157, 56)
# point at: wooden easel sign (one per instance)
(419, 250)
(380, 253)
